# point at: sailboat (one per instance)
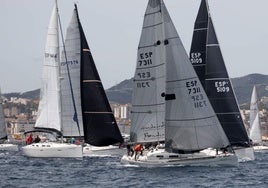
(4, 145)
(255, 127)
(207, 60)
(93, 112)
(50, 116)
(189, 122)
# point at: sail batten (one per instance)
(145, 27)
(192, 119)
(151, 67)
(90, 81)
(184, 79)
(148, 104)
(98, 112)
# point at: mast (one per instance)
(208, 62)
(100, 127)
(59, 77)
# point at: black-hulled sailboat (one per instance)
(93, 111)
(206, 57)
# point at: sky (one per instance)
(113, 29)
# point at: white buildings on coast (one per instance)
(21, 115)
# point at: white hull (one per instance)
(91, 151)
(244, 154)
(9, 147)
(53, 149)
(161, 158)
(260, 148)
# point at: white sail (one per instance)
(49, 105)
(71, 101)
(148, 106)
(255, 129)
(254, 110)
(191, 123)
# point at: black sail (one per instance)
(208, 62)
(100, 127)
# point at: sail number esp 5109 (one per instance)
(222, 86)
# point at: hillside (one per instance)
(34, 94)
(243, 86)
(122, 92)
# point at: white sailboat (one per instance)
(190, 125)
(208, 62)
(49, 110)
(4, 144)
(255, 127)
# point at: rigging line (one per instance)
(75, 118)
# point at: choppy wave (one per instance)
(19, 171)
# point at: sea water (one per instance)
(19, 171)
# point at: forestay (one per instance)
(191, 123)
(148, 106)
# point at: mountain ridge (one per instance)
(122, 92)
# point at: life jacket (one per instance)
(29, 140)
(138, 147)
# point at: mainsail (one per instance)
(191, 123)
(3, 131)
(209, 65)
(100, 127)
(255, 129)
(148, 106)
(49, 105)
